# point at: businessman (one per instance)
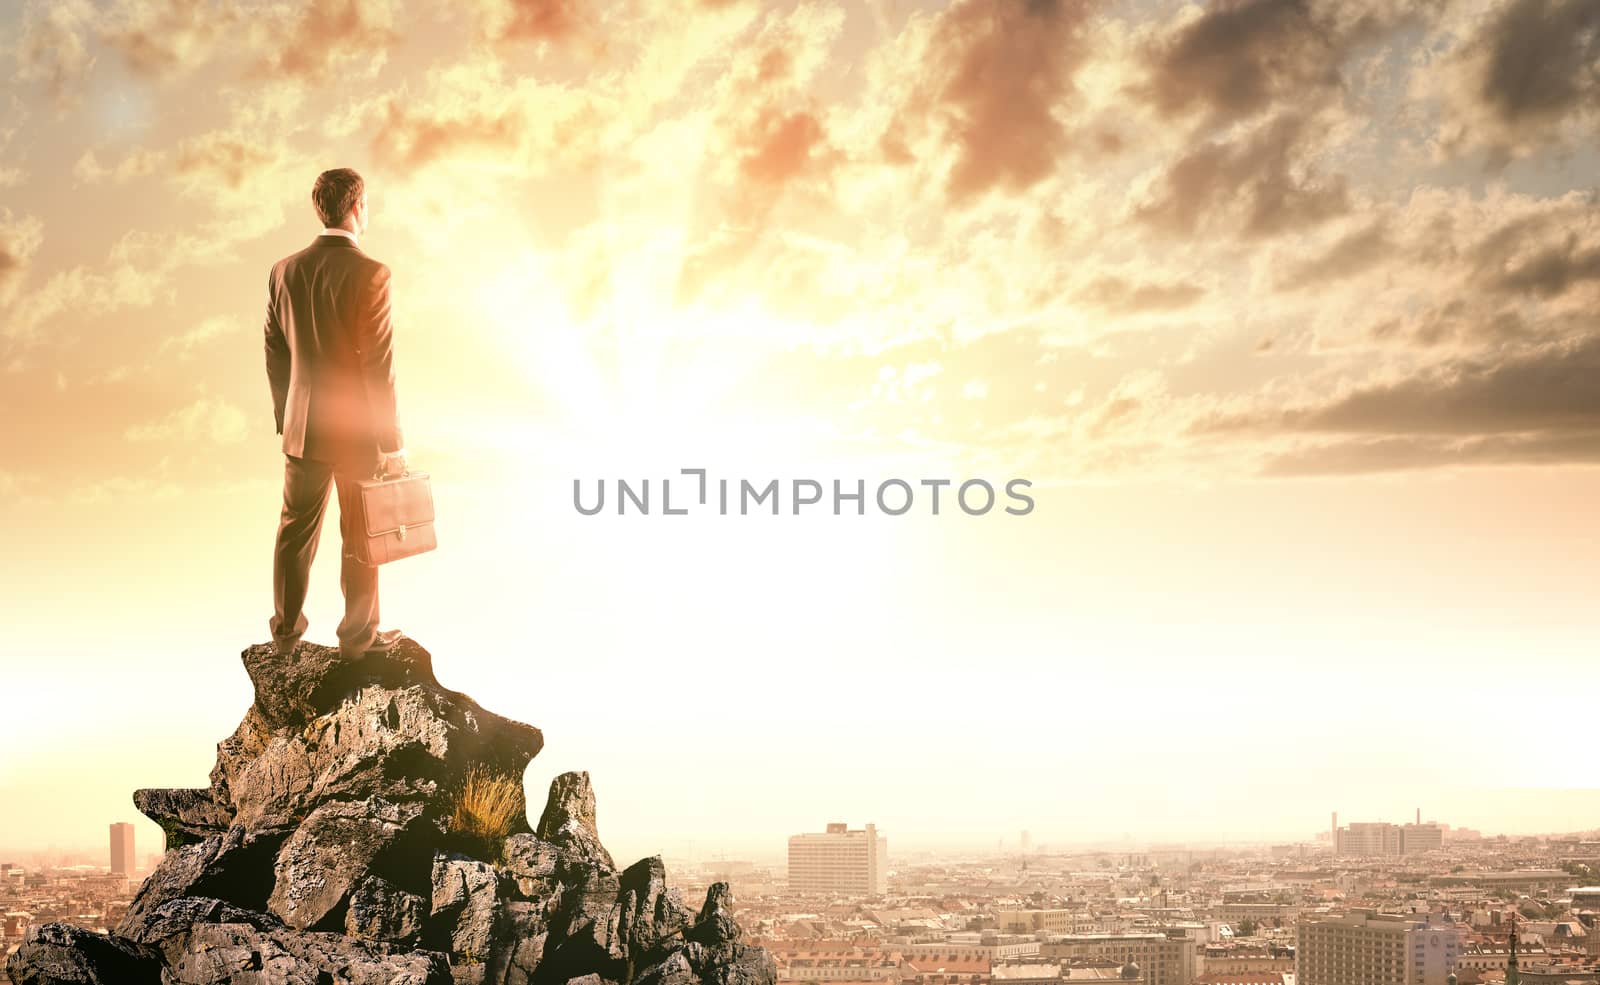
(330, 343)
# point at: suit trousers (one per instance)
(305, 499)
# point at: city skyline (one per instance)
(1474, 913)
(915, 842)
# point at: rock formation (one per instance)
(330, 849)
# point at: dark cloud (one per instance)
(1526, 78)
(1459, 322)
(1491, 283)
(1541, 61)
(1243, 58)
(1120, 296)
(1259, 184)
(1553, 270)
(1546, 390)
(1352, 254)
(1237, 59)
(1402, 454)
(995, 75)
(1552, 388)
(1264, 73)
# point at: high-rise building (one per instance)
(841, 860)
(1421, 837)
(122, 849)
(1367, 948)
(1383, 838)
(1368, 838)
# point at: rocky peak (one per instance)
(366, 824)
(569, 818)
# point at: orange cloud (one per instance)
(20, 238)
(532, 20)
(54, 47)
(169, 38)
(326, 35)
(993, 82)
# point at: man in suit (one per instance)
(329, 342)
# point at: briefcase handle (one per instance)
(383, 476)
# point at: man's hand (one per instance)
(394, 464)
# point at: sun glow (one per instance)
(636, 380)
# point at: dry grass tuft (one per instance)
(486, 806)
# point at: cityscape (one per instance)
(1360, 903)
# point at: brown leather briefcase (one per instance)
(396, 512)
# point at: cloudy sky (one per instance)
(1286, 307)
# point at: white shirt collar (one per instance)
(340, 231)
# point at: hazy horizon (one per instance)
(710, 844)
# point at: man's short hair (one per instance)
(336, 194)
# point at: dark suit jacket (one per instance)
(330, 349)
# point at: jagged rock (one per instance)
(713, 955)
(520, 932)
(326, 729)
(583, 930)
(587, 909)
(390, 745)
(240, 954)
(726, 964)
(650, 917)
(381, 911)
(716, 925)
(168, 926)
(461, 919)
(236, 867)
(319, 854)
(186, 816)
(180, 870)
(60, 954)
(335, 849)
(734, 964)
(529, 866)
(674, 969)
(568, 822)
(293, 689)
